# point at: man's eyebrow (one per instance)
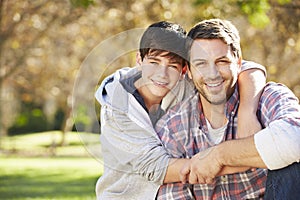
(198, 60)
(222, 57)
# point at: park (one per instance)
(54, 54)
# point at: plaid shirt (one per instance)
(183, 130)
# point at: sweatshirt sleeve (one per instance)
(246, 65)
(138, 149)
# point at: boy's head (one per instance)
(164, 38)
(162, 57)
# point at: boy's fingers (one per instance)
(184, 173)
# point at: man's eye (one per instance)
(199, 64)
(223, 62)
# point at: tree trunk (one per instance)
(67, 125)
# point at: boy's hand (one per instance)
(202, 168)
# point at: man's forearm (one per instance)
(239, 153)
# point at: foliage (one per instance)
(43, 44)
(30, 119)
(82, 3)
(256, 10)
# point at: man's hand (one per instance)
(202, 168)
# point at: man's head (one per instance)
(215, 59)
(162, 56)
(217, 29)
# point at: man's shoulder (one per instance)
(273, 91)
(276, 88)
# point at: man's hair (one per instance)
(164, 37)
(216, 29)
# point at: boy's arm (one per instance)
(251, 83)
(128, 142)
(173, 170)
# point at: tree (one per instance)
(43, 43)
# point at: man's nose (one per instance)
(212, 71)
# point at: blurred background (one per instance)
(42, 47)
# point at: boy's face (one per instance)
(160, 73)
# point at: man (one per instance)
(133, 99)
(204, 126)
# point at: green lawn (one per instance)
(44, 177)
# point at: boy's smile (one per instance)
(160, 73)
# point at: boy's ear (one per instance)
(138, 58)
(189, 73)
(184, 69)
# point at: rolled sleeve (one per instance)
(278, 144)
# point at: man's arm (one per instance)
(274, 147)
(240, 152)
(228, 157)
(251, 83)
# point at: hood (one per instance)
(111, 92)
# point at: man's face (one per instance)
(214, 69)
(160, 73)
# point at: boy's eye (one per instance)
(174, 66)
(154, 63)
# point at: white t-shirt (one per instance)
(215, 136)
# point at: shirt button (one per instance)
(224, 178)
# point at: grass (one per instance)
(71, 174)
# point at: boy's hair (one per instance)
(216, 29)
(164, 37)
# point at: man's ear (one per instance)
(138, 58)
(239, 62)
